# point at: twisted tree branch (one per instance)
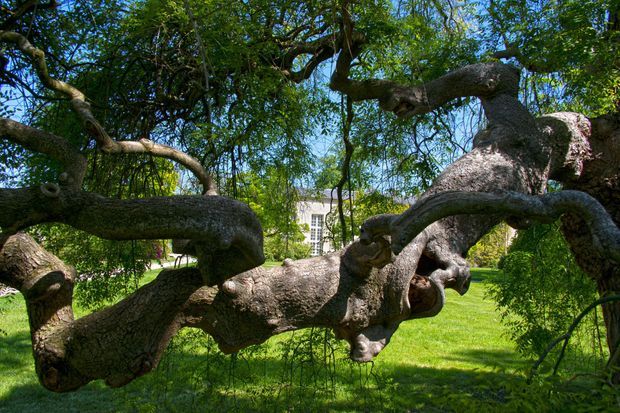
(549, 207)
(221, 229)
(483, 80)
(82, 108)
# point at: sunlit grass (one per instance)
(459, 360)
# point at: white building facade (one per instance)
(312, 211)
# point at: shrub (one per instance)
(541, 288)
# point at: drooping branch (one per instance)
(164, 151)
(82, 108)
(220, 229)
(363, 305)
(567, 336)
(345, 170)
(57, 148)
(543, 208)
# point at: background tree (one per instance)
(491, 248)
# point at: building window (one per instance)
(316, 234)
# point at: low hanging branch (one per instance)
(219, 228)
(82, 108)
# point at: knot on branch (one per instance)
(375, 227)
(50, 190)
(369, 342)
(230, 288)
(147, 143)
(426, 294)
(457, 277)
(404, 101)
(360, 258)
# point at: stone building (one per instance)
(312, 210)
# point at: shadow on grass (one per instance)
(496, 359)
(187, 382)
(14, 351)
(483, 274)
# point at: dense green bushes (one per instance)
(491, 248)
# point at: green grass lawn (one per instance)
(457, 361)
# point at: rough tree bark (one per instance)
(397, 271)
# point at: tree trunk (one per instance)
(601, 179)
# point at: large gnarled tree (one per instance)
(396, 271)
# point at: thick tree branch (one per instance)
(117, 344)
(483, 80)
(545, 208)
(126, 340)
(82, 108)
(221, 229)
(55, 147)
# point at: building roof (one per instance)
(327, 194)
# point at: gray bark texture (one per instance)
(397, 271)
